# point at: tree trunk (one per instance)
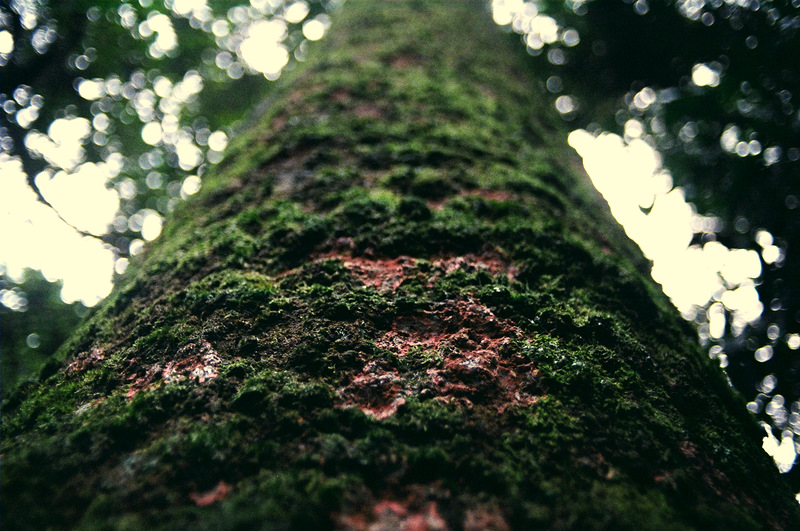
(397, 302)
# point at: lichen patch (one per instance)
(376, 392)
(143, 378)
(483, 518)
(478, 364)
(390, 514)
(406, 60)
(388, 274)
(368, 110)
(489, 195)
(382, 274)
(196, 361)
(490, 262)
(84, 408)
(465, 325)
(469, 359)
(85, 360)
(204, 499)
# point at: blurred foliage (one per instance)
(33, 324)
(119, 67)
(712, 84)
(148, 92)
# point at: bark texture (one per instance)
(397, 304)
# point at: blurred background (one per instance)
(684, 112)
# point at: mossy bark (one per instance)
(397, 302)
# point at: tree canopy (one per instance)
(145, 94)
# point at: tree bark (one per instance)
(397, 303)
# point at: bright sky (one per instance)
(33, 236)
(629, 176)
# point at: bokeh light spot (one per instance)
(313, 30)
(191, 185)
(217, 141)
(6, 42)
(151, 133)
(565, 104)
(296, 12)
(793, 341)
(705, 76)
(764, 354)
(33, 340)
(262, 49)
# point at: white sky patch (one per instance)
(82, 197)
(151, 223)
(525, 18)
(218, 141)
(629, 177)
(565, 104)
(783, 451)
(151, 133)
(34, 237)
(92, 89)
(190, 186)
(62, 146)
(545, 28)
(189, 155)
(644, 98)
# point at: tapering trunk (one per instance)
(397, 302)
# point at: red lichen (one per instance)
(464, 324)
(485, 519)
(195, 361)
(489, 195)
(473, 358)
(340, 95)
(403, 61)
(85, 361)
(472, 342)
(488, 261)
(368, 110)
(465, 333)
(362, 109)
(143, 378)
(375, 392)
(382, 274)
(388, 274)
(389, 514)
(204, 499)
